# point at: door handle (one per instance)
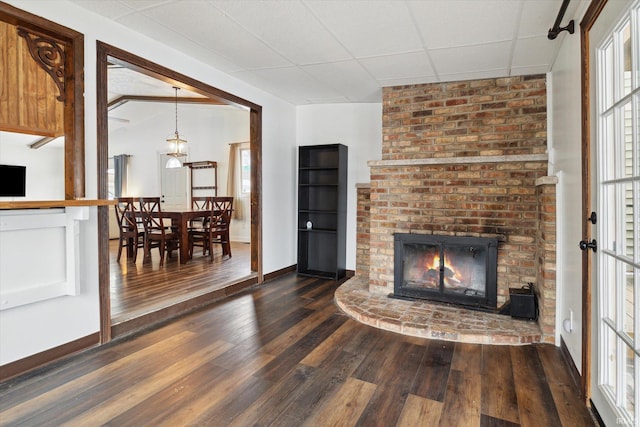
(584, 245)
(593, 218)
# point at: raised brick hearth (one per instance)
(426, 319)
(464, 159)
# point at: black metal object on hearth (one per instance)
(452, 269)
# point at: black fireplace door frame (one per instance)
(488, 301)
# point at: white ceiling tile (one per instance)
(370, 96)
(538, 16)
(290, 82)
(405, 65)
(534, 51)
(465, 22)
(308, 51)
(123, 81)
(471, 58)
(112, 9)
(176, 40)
(144, 4)
(288, 27)
(369, 28)
(203, 24)
(346, 77)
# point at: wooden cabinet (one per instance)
(322, 210)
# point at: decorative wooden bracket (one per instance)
(48, 53)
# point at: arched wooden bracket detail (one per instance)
(48, 53)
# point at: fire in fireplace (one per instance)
(461, 270)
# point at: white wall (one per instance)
(208, 131)
(34, 328)
(359, 127)
(45, 168)
(566, 163)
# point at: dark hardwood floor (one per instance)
(144, 286)
(284, 355)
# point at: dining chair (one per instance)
(200, 203)
(198, 224)
(157, 233)
(131, 232)
(215, 229)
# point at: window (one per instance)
(245, 171)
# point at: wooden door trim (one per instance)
(590, 17)
(107, 53)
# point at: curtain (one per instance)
(233, 179)
(120, 164)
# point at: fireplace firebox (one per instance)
(453, 269)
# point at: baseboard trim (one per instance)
(281, 272)
(293, 268)
(596, 414)
(38, 360)
(572, 368)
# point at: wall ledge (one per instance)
(48, 204)
(546, 180)
(459, 160)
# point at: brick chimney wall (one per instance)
(466, 159)
(362, 230)
(470, 118)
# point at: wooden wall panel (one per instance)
(28, 95)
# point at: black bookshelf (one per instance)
(322, 210)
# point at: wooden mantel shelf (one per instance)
(48, 204)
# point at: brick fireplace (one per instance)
(467, 159)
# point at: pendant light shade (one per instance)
(177, 142)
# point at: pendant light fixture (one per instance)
(177, 142)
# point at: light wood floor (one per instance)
(141, 287)
(284, 355)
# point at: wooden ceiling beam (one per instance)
(121, 100)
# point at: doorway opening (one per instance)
(135, 294)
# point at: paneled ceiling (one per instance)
(332, 51)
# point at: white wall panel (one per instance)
(565, 132)
(359, 127)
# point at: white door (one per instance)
(174, 183)
(615, 135)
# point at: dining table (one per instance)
(180, 219)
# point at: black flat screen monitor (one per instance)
(12, 180)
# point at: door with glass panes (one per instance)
(615, 136)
